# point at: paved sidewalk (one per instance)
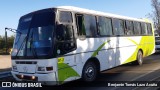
(5, 63)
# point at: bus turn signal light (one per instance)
(49, 68)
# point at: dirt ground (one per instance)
(5, 62)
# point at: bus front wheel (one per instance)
(89, 72)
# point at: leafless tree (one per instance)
(156, 13)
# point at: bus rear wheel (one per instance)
(89, 72)
(139, 60)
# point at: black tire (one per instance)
(90, 72)
(139, 60)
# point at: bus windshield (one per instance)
(36, 38)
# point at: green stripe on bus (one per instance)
(146, 48)
(65, 71)
(133, 42)
(99, 48)
(134, 55)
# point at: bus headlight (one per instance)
(14, 68)
(45, 68)
(41, 68)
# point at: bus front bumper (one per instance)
(45, 79)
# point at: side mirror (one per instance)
(60, 32)
(69, 32)
(64, 32)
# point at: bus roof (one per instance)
(77, 9)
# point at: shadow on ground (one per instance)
(6, 69)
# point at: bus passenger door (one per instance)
(65, 46)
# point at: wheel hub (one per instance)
(90, 72)
(140, 58)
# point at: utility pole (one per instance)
(6, 40)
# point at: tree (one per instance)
(2, 42)
(156, 13)
(10, 41)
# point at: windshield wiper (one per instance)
(21, 45)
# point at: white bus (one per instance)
(66, 43)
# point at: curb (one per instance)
(5, 74)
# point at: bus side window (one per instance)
(149, 28)
(144, 28)
(105, 26)
(118, 26)
(129, 28)
(90, 25)
(80, 26)
(65, 17)
(65, 30)
(86, 25)
(137, 28)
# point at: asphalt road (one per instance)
(149, 71)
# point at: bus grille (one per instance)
(26, 62)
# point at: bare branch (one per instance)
(156, 13)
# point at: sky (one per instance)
(12, 10)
